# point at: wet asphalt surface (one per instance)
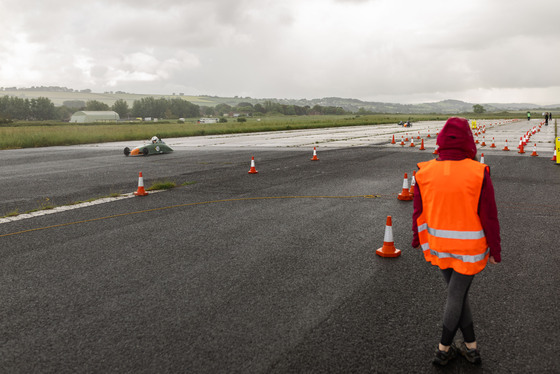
(268, 273)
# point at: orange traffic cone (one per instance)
(534, 154)
(435, 152)
(402, 140)
(483, 144)
(521, 148)
(422, 146)
(482, 158)
(393, 141)
(493, 144)
(553, 156)
(412, 142)
(506, 147)
(388, 249)
(253, 170)
(405, 194)
(314, 158)
(412, 183)
(140, 191)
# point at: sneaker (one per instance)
(442, 358)
(472, 355)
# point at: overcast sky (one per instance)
(406, 51)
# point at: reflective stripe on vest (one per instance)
(450, 234)
(464, 258)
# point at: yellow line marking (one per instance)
(186, 205)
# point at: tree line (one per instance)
(35, 109)
(42, 109)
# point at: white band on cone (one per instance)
(388, 234)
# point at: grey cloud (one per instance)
(266, 48)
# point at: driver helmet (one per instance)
(154, 139)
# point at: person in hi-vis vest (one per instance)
(455, 223)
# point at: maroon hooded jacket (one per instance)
(456, 142)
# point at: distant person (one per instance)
(528, 116)
(455, 222)
(546, 119)
(550, 116)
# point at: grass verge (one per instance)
(165, 185)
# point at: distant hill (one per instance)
(60, 95)
(445, 106)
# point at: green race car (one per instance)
(156, 146)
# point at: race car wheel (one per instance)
(145, 151)
(126, 151)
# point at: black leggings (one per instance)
(457, 311)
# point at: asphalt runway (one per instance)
(268, 273)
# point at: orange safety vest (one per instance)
(449, 227)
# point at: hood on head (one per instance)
(457, 137)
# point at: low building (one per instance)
(208, 120)
(94, 116)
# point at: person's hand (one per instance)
(492, 260)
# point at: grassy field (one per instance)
(45, 134)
